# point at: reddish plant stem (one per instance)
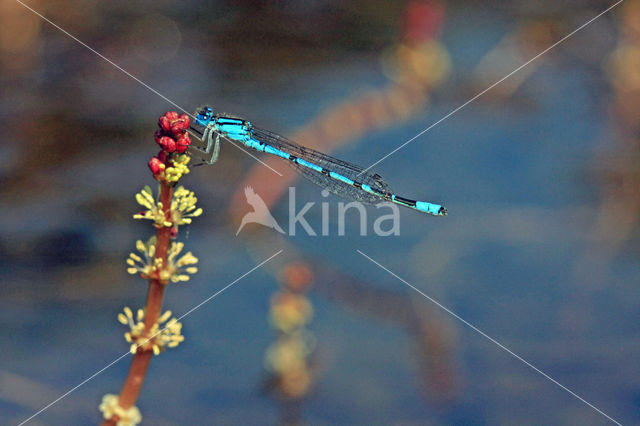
(135, 378)
(163, 239)
(138, 369)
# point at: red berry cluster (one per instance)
(172, 137)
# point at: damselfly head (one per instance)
(204, 115)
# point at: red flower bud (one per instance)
(166, 143)
(183, 143)
(173, 234)
(173, 124)
(166, 120)
(156, 166)
(180, 125)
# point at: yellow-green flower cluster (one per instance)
(290, 352)
(287, 357)
(183, 206)
(148, 266)
(110, 407)
(145, 266)
(160, 337)
(179, 270)
(178, 168)
(287, 360)
(145, 198)
(289, 311)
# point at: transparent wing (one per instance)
(327, 162)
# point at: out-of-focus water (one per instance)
(519, 255)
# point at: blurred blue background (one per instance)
(541, 177)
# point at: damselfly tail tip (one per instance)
(430, 208)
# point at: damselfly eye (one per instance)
(205, 113)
